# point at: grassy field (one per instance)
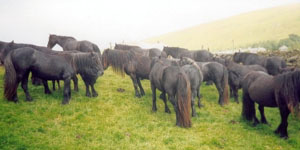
(117, 120)
(248, 28)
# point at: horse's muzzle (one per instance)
(100, 73)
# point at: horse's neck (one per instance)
(64, 40)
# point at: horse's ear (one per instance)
(11, 43)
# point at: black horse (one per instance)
(152, 52)
(213, 71)
(134, 65)
(173, 81)
(20, 62)
(197, 55)
(175, 52)
(69, 43)
(195, 77)
(280, 91)
(273, 64)
(6, 48)
(236, 73)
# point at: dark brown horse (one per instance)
(173, 81)
(152, 52)
(281, 91)
(134, 65)
(212, 71)
(273, 64)
(20, 62)
(197, 55)
(69, 43)
(7, 47)
(236, 74)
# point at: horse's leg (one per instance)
(94, 93)
(235, 94)
(172, 100)
(282, 128)
(220, 90)
(46, 87)
(25, 87)
(141, 87)
(75, 81)
(153, 88)
(256, 121)
(67, 91)
(58, 85)
(194, 93)
(231, 92)
(199, 99)
(262, 114)
(164, 98)
(87, 89)
(53, 85)
(134, 81)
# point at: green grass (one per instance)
(248, 28)
(116, 120)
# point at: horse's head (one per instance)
(185, 61)
(104, 59)
(52, 41)
(236, 57)
(95, 67)
(117, 46)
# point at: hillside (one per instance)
(262, 25)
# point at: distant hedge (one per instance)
(292, 42)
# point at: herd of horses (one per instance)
(176, 72)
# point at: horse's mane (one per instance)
(287, 86)
(127, 47)
(65, 37)
(118, 59)
(194, 63)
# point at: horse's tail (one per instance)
(10, 83)
(183, 101)
(96, 49)
(248, 109)
(225, 86)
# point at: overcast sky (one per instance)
(105, 21)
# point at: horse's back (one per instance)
(274, 65)
(202, 55)
(260, 87)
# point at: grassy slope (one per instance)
(117, 120)
(268, 24)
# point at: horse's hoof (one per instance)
(65, 102)
(95, 95)
(29, 99)
(76, 90)
(48, 92)
(154, 109)
(194, 115)
(88, 94)
(138, 96)
(168, 111)
(284, 136)
(255, 124)
(201, 105)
